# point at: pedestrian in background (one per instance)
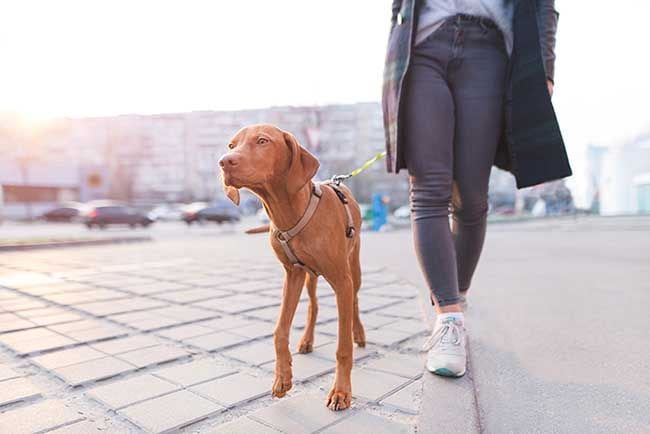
(467, 85)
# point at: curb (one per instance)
(72, 243)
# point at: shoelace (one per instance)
(447, 332)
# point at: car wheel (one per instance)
(132, 225)
(102, 226)
(89, 225)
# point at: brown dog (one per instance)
(272, 164)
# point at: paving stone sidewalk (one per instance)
(153, 338)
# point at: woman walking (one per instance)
(467, 85)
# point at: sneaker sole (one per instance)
(444, 372)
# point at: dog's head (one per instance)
(264, 156)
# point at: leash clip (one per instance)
(337, 179)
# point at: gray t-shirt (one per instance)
(434, 12)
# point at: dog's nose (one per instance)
(228, 160)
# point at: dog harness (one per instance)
(316, 193)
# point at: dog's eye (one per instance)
(262, 141)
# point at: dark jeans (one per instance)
(453, 116)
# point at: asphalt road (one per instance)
(559, 329)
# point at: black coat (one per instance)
(531, 146)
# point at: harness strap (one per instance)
(349, 231)
(285, 236)
(309, 213)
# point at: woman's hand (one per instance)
(550, 87)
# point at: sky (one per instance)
(95, 58)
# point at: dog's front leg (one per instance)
(340, 396)
(293, 283)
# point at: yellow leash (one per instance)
(336, 179)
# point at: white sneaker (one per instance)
(447, 353)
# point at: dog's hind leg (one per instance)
(355, 267)
(293, 282)
(306, 344)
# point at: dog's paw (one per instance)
(338, 400)
(281, 385)
(360, 337)
(305, 346)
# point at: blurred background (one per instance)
(117, 112)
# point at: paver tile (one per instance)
(197, 371)
(254, 353)
(304, 413)
(256, 329)
(104, 331)
(227, 322)
(49, 342)
(373, 385)
(48, 320)
(408, 325)
(17, 389)
(51, 414)
(123, 345)
(155, 288)
(405, 399)
(185, 313)
(170, 412)
(131, 390)
(363, 422)
(6, 373)
(19, 279)
(305, 366)
(185, 331)
(372, 320)
(23, 304)
(235, 389)
(27, 335)
(92, 370)
(46, 311)
(152, 355)
(386, 337)
(216, 341)
(328, 351)
(155, 323)
(84, 324)
(408, 309)
(16, 324)
(82, 427)
(405, 365)
(192, 295)
(67, 357)
(243, 425)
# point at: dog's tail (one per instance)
(259, 229)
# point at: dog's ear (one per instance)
(303, 165)
(231, 192)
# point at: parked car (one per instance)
(67, 212)
(115, 214)
(403, 212)
(166, 212)
(262, 216)
(219, 212)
